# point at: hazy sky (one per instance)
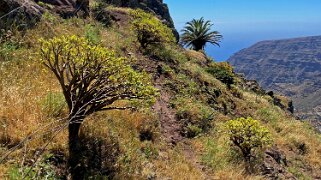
(244, 22)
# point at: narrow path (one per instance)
(170, 127)
(171, 130)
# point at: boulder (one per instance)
(274, 165)
(19, 12)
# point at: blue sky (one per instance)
(244, 22)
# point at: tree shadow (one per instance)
(99, 157)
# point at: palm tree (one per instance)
(198, 32)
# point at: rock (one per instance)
(68, 8)
(251, 85)
(58, 2)
(274, 165)
(65, 11)
(28, 12)
(291, 107)
(19, 12)
(278, 156)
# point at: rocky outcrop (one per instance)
(28, 11)
(19, 12)
(274, 165)
(291, 67)
(24, 13)
(250, 85)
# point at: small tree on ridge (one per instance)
(248, 135)
(92, 79)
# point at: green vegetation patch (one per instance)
(223, 72)
(149, 29)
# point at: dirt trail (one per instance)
(170, 127)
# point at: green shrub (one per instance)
(149, 150)
(167, 54)
(223, 72)
(41, 170)
(298, 173)
(53, 104)
(193, 130)
(6, 50)
(248, 135)
(92, 34)
(149, 29)
(196, 117)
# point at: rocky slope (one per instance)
(28, 12)
(291, 67)
(182, 135)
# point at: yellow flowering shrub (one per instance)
(149, 29)
(74, 60)
(248, 135)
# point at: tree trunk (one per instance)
(74, 151)
(249, 165)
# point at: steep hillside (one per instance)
(28, 12)
(181, 134)
(291, 67)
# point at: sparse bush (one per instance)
(196, 117)
(6, 50)
(49, 17)
(148, 130)
(184, 85)
(149, 150)
(92, 34)
(236, 92)
(223, 72)
(299, 146)
(9, 42)
(249, 136)
(167, 54)
(149, 29)
(193, 131)
(267, 115)
(41, 170)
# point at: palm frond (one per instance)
(198, 32)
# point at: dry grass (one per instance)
(173, 164)
(24, 84)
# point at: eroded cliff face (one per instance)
(291, 67)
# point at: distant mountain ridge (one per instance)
(291, 67)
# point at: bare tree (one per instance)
(92, 79)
